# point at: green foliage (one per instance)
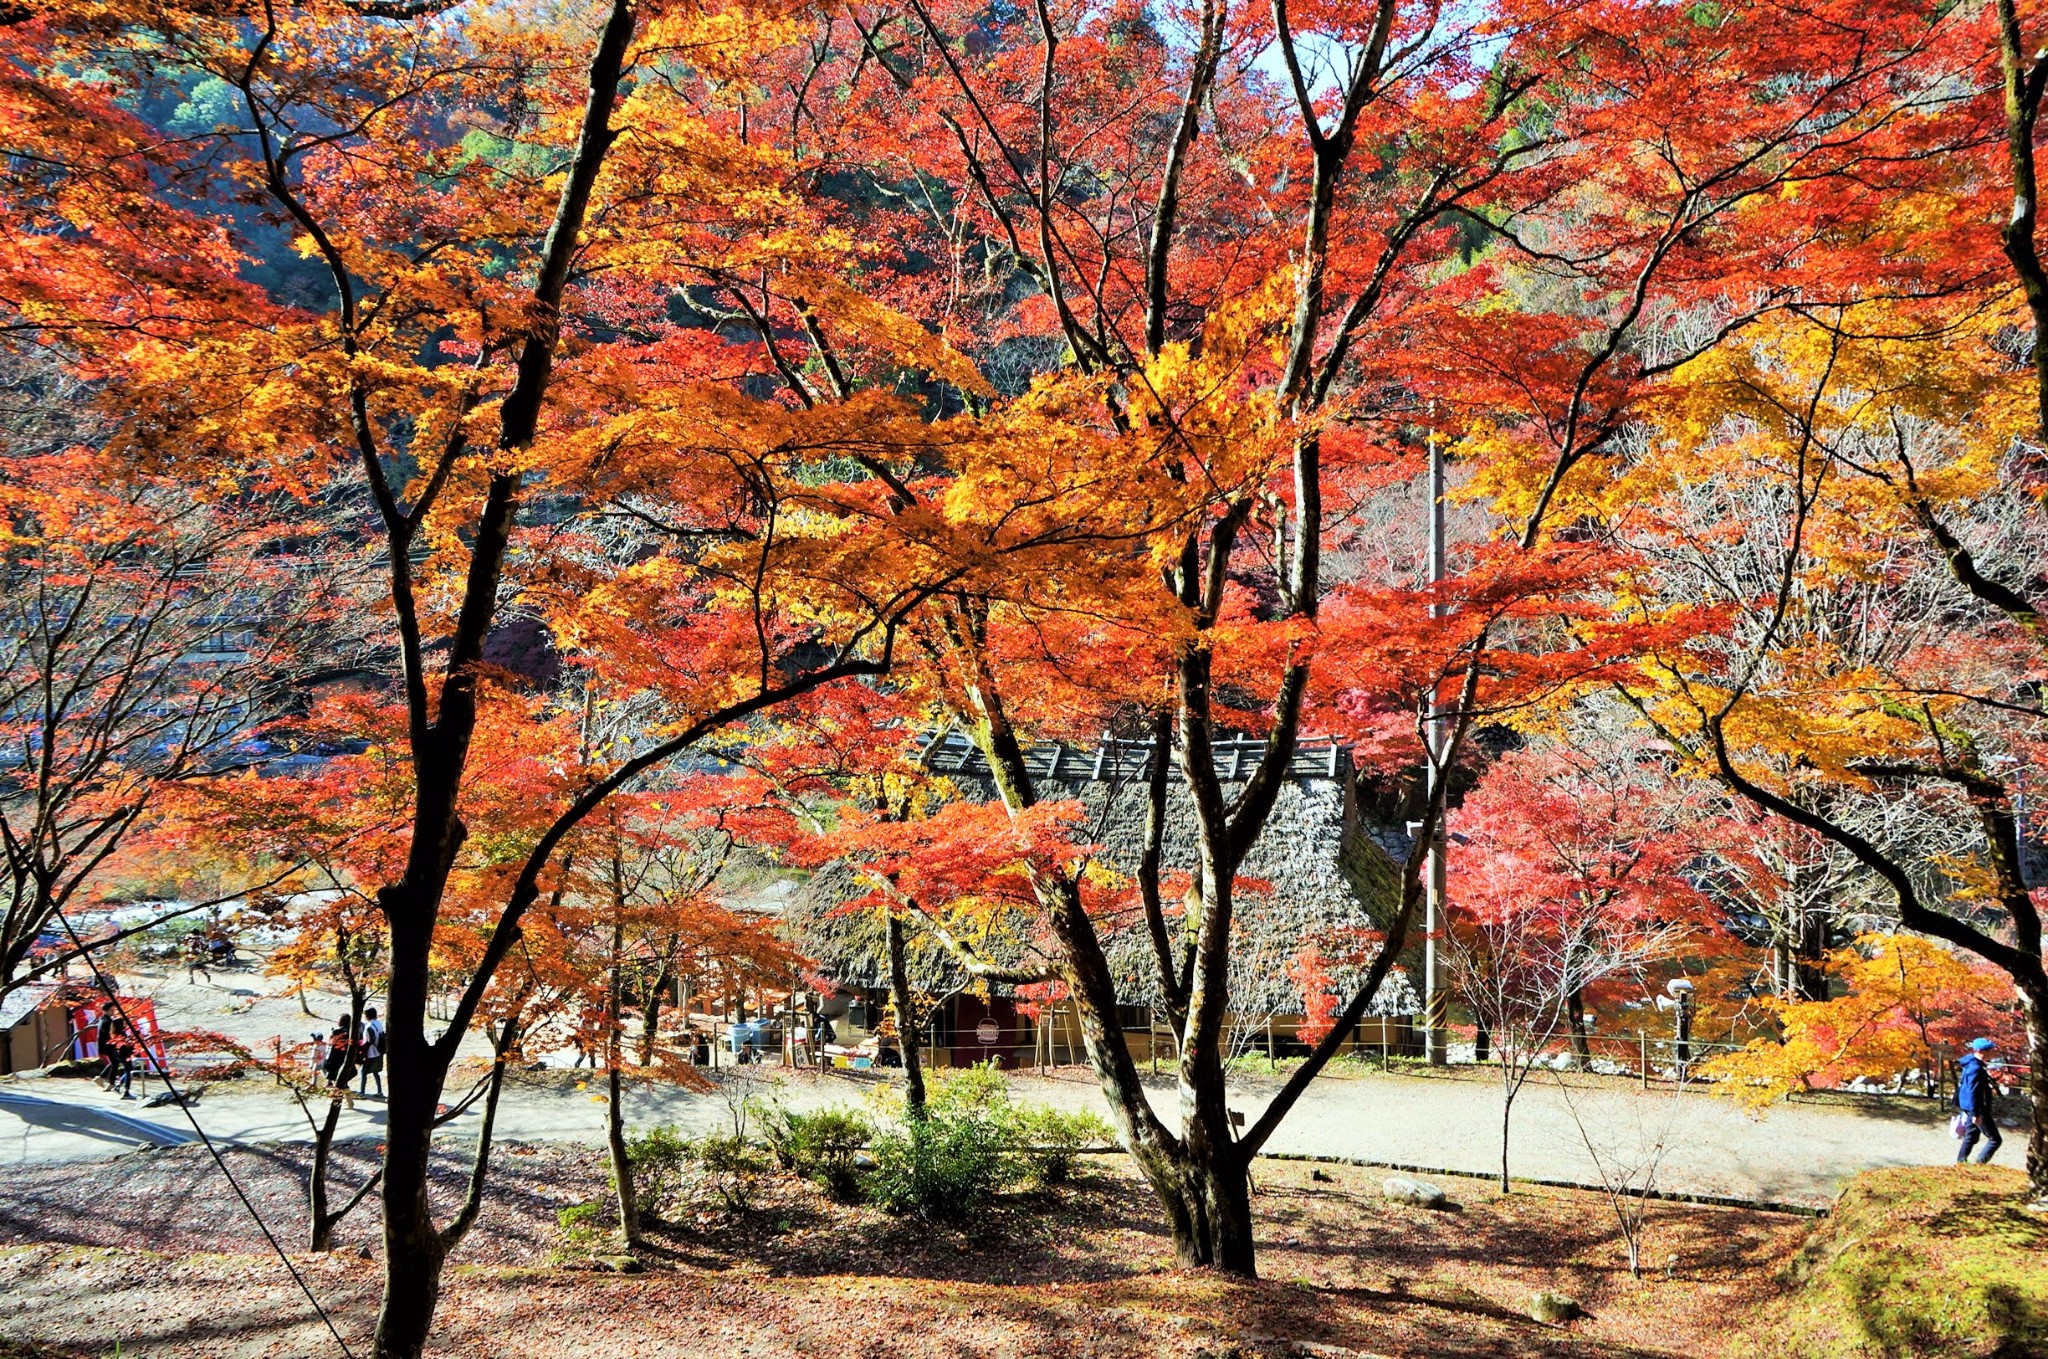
(1934, 1261)
(1051, 1141)
(978, 1089)
(659, 1161)
(944, 1166)
(580, 1224)
(730, 1169)
(213, 102)
(971, 1144)
(820, 1146)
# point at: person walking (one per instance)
(338, 1043)
(121, 1064)
(1975, 1095)
(373, 1051)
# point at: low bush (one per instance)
(730, 1169)
(660, 1161)
(1051, 1141)
(945, 1165)
(971, 1144)
(820, 1146)
(581, 1224)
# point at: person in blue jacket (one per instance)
(1974, 1096)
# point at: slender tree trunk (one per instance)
(650, 1013)
(316, 1188)
(320, 1220)
(615, 1103)
(622, 1165)
(1575, 1019)
(905, 1006)
(1507, 1109)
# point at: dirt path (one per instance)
(1447, 1120)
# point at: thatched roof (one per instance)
(851, 946)
(1325, 875)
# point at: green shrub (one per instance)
(981, 1089)
(659, 1160)
(1051, 1141)
(579, 1223)
(946, 1165)
(820, 1146)
(731, 1169)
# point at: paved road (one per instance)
(1795, 1153)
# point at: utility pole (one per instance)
(1436, 998)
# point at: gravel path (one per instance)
(1797, 1153)
(1445, 1120)
(1704, 1143)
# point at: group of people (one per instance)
(205, 950)
(348, 1051)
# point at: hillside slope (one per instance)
(1926, 1261)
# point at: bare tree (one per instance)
(1627, 1141)
(147, 636)
(1519, 963)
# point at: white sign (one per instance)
(987, 1032)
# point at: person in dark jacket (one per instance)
(339, 1042)
(1975, 1095)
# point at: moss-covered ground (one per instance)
(1940, 1262)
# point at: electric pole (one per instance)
(1436, 998)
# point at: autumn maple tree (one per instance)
(1906, 1004)
(1068, 366)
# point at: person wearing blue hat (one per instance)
(1974, 1096)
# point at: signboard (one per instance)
(140, 1016)
(987, 1032)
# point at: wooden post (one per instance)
(1643, 1038)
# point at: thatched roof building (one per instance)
(1325, 872)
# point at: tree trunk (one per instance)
(905, 1006)
(414, 1074)
(1810, 956)
(322, 1221)
(650, 1014)
(2034, 1010)
(413, 1251)
(316, 1189)
(1575, 1019)
(1207, 1201)
(1507, 1109)
(615, 1112)
(1482, 1043)
(622, 1166)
